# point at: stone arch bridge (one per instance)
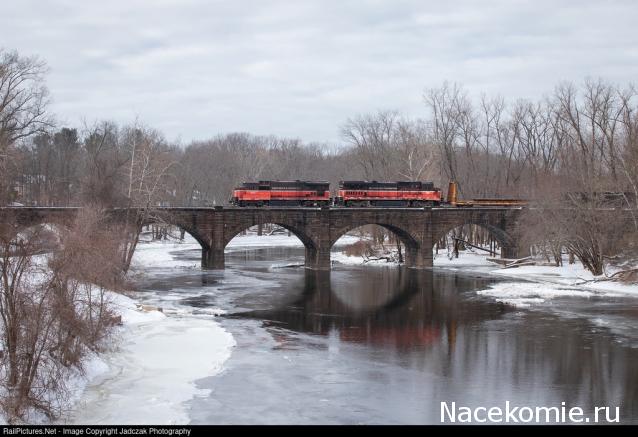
(317, 228)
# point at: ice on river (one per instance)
(151, 374)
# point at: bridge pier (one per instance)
(418, 257)
(317, 259)
(213, 259)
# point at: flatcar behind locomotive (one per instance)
(388, 194)
(282, 193)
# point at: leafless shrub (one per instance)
(29, 373)
(52, 314)
(362, 248)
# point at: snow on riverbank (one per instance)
(253, 240)
(525, 294)
(160, 253)
(74, 379)
(567, 280)
(151, 374)
(467, 261)
(342, 258)
(537, 284)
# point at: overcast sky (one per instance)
(196, 68)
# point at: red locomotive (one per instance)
(351, 194)
(282, 193)
(388, 194)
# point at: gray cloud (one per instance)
(196, 68)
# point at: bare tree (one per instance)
(444, 104)
(104, 166)
(23, 104)
(414, 150)
(372, 137)
(150, 169)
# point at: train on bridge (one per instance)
(352, 194)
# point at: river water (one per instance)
(387, 345)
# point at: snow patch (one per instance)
(526, 294)
(153, 372)
(465, 260)
(573, 276)
(159, 356)
(342, 258)
(159, 253)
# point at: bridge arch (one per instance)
(46, 235)
(181, 226)
(498, 230)
(214, 258)
(309, 244)
(180, 221)
(406, 238)
(26, 218)
(414, 247)
(56, 226)
(307, 241)
(49, 225)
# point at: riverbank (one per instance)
(158, 355)
(152, 370)
(526, 285)
(529, 285)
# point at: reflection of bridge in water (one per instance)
(403, 308)
(317, 228)
(435, 322)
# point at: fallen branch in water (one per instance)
(623, 272)
(386, 258)
(509, 261)
(630, 275)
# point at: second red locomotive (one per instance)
(388, 194)
(282, 193)
(351, 194)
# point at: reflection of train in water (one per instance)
(414, 194)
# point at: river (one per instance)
(388, 345)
